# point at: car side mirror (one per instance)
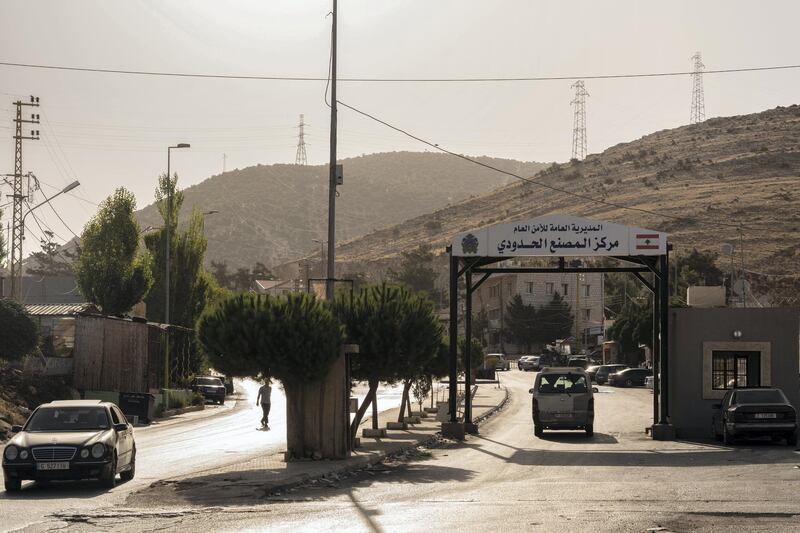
(595, 389)
(16, 429)
(120, 427)
(531, 391)
(716, 405)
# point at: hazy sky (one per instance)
(113, 130)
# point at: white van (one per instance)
(562, 399)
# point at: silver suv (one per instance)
(562, 399)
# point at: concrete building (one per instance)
(276, 287)
(713, 350)
(583, 292)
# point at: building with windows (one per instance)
(715, 350)
(583, 293)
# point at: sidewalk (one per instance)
(251, 481)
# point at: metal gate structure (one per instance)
(477, 254)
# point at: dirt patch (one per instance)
(19, 395)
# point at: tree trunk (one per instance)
(295, 421)
(374, 389)
(405, 400)
(362, 410)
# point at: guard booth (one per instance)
(475, 255)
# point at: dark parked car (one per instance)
(601, 376)
(750, 412)
(210, 387)
(71, 440)
(630, 377)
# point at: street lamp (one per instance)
(18, 288)
(166, 276)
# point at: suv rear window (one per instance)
(209, 381)
(561, 383)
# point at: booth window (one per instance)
(730, 370)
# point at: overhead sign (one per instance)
(559, 236)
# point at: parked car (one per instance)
(578, 361)
(228, 382)
(210, 387)
(754, 411)
(562, 399)
(528, 362)
(71, 440)
(601, 376)
(501, 362)
(630, 377)
(592, 372)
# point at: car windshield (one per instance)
(759, 396)
(208, 381)
(68, 419)
(561, 383)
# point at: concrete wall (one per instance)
(776, 331)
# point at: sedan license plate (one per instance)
(766, 415)
(53, 466)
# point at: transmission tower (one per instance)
(579, 122)
(17, 228)
(300, 158)
(698, 113)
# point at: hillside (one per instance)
(737, 170)
(272, 213)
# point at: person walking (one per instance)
(264, 394)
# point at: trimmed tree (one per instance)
(294, 338)
(421, 337)
(19, 334)
(110, 272)
(372, 320)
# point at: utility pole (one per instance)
(300, 157)
(698, 113)
(18, 227)
(332, 183)
(578, 337)
(579, 121)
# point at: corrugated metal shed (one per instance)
(59, 309)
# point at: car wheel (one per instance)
(714, 435)
(629, 383)
(538, 431)
(109, 479)
(727, 438)
(13, 485)
(131, 472)
(791, 439)
(589, 430)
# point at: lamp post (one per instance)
(18, 287)
(167, 261)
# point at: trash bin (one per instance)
(138, 407)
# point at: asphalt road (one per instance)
(187, 444)
(508, 480)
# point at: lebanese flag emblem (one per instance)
(647, 241)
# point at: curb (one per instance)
(493, 410)
(174, 412)
(380, 456)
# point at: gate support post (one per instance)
(468, 425)
(453, 429)
(664, 429)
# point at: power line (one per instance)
(528, 180)
(389, 80)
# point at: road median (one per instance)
(252, 481)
